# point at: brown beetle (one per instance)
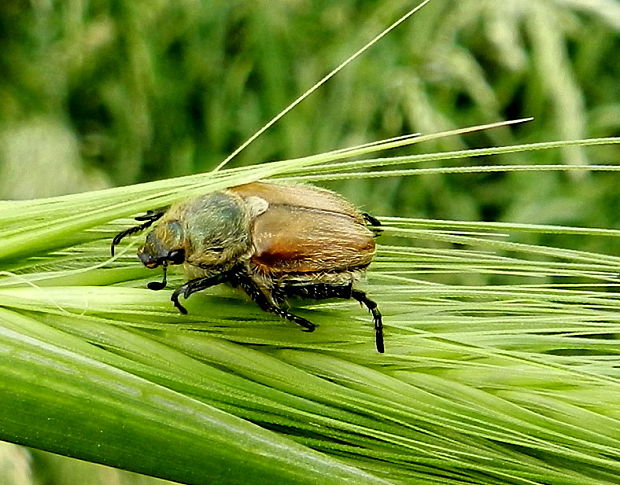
(271, 240)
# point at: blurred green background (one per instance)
(95, 93)
(105, 92)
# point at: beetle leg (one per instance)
(376, 316)
(371, 220)
(374, 223)
(150, 217)
(279, 297)
(247, 284)
(320, 291)
(195, 285)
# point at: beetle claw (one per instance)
(178, 305)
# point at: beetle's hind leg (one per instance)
(371, 220)
(374, 223)
(320, 291)
(376, 316)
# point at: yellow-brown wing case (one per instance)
(307, 230)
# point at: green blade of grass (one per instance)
(76, 405)
(466, 390)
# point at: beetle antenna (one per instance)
(159, 285)
(150, 217)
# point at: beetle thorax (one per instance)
(216, 230)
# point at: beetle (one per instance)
(273, 241)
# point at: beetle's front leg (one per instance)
(195, 285)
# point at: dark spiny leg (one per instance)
(279, 297)
(374, 223)
(150, 217)
(318, 291)
(195, 285)
(321, 291)
(247, 284)
(376, 315)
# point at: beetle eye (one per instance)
(177, 256)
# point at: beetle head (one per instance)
(211, 231)
(163, 246)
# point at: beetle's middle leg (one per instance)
(247, 284)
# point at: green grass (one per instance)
(507, 382)
(126, 92)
